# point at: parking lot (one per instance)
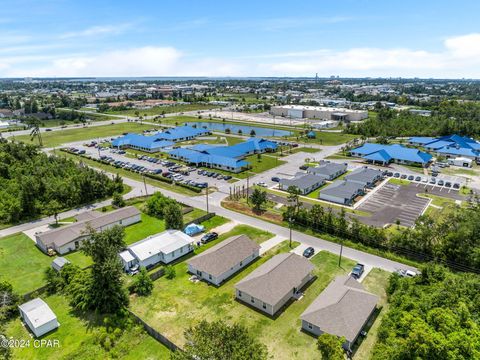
(149, 164)
(394, 202)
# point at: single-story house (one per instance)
(69, 237)
(305, 183)
(367, 177)
(341, 192)
(59, 262)
(38, 316)
(274, 283)
(384, 154)
(164, 247)
(342, 309)
(329, 170)
(221, 261)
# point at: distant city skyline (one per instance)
(54, 38)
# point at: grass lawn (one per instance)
(399, 181)
(56, 138)
(158, 110)
(178, 304)
(338, 156)
(214, 222)
(78, 339)
(330, 138)
(265, 163)
(255, 234)
(375, 282)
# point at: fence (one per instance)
(201, 219)
(157, 274)
(35, 293)
(154, 333)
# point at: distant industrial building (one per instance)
(318, 112)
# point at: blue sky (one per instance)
(249, 38)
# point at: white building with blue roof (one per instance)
(384, 154)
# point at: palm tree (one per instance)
(34, 124)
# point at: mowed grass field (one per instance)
(157, 110)
(177, 304)
(59, 137)
(22, 264)
(78, 338)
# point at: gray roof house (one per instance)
(69, 237)
(365, 176)
(269, 287)
(341, 192)
(38, 316)
(305, 183)
(221, 261)
(329, 170)
(342, 309)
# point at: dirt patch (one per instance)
(239, 207)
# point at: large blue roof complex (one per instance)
(181, 133)
(141, 141)
(450, 144)
(385, 153)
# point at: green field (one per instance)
(79, 338)
(56, 138)
(22, 263)
(178, 304)
(158, 110)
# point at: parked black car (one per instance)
(276, 179)
(209, 237)
(304, 167)
(308, 252)
(357, 271)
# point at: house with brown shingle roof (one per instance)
(221, 261)
(69, 237)
(342, 309)
(270, 286)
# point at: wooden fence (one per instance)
(201, 219)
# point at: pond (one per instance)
(245, 129)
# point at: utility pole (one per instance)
(248, 186)
(340, 258)
(145, 184)
(206, 194)
(290, 228)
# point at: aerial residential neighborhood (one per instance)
(265, 180)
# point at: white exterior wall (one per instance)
(41, 330)
(178, 253)
(335, 199)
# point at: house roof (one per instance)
(277, 277)
(126, 256)
(364, 175)
(164, 242)
(303, 181)
(342, 308)
(38, 312)
(327, 169)
(223, 256)
(342, 189)
(88, 215)
(68, 233)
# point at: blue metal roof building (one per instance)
(141, 142)
(387, 153)
(182, 133)
(223, 157)
(449, 145)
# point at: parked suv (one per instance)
(209, 237)
(357, 271)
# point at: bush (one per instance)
(142, 284)
(118, 201)
(170, 272)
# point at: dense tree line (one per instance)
(33, 183)
(448, 117)
(432, 316)
(454, 239)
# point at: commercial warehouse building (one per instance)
(328, 170)
(305, 183)
(365, 176)
(318, 112)
(342, 192)
(385, 154)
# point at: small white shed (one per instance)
(38, 316)
(59, 262)
(461, 161)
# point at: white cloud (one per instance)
(97, 31)
(459, 57)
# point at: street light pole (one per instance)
(290, 228)
(340, 258)
(248, 186)
(206, 194)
